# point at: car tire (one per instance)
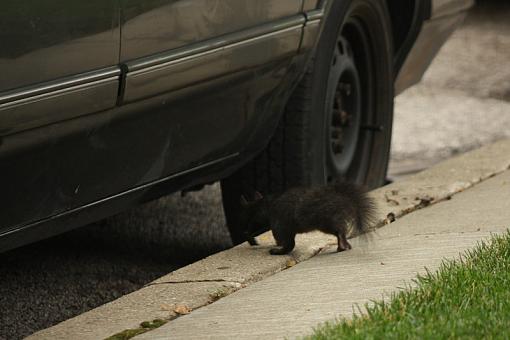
(338, 121)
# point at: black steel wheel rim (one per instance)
(350, 102)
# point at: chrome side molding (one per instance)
(182, 67)
(74, 96)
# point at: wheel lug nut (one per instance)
(344, 118)
(337, 119)
(345, 88)
(338, 148)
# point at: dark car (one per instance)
(105, 104)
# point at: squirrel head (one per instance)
(252, 215)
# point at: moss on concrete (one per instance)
(144, 327)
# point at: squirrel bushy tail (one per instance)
(364, 206)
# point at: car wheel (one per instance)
(337, 123)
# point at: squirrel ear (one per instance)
(258, 196)
(244, 202)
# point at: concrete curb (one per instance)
(207, 280)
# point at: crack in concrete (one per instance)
(192, 281)
(430, 201)
(450, 233)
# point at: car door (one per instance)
(56, 45)
(215, 65)
(59, 59)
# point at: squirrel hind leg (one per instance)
(343, 244)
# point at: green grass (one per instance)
(466, 298)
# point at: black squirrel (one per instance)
(329, 208)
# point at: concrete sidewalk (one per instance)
(261, 296)
(289, 304)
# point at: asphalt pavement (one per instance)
(463, 102)
(51, 281)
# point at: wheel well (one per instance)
(406, 20)
(402, 14)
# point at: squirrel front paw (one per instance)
(279, 251)
(252, 241)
